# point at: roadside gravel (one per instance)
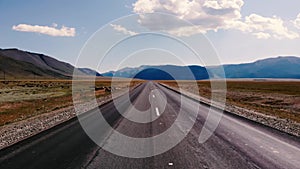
(285, 125)
(18, 131)
(15, 132)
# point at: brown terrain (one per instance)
(24, 99)
(273, 98)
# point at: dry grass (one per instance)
(20, 100)
(275, 98)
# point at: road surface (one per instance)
(236, 143)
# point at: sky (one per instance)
(239, 30)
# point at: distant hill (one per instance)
(21, 64)
(89, 71)
(18, 69)
(159, 73)
(280, 67)
(18, 64)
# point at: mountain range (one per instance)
(18, 64)
(279, 67)
(164, 72)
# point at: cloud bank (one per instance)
(51, 31)
(213, 15)
(122, 29)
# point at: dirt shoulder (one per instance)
(45, 105)
(275, 104)
(15, 132)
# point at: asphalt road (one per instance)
(236, 143)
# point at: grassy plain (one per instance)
(23, 99)
(27, 98)
(275, 98)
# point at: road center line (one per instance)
(157, 111)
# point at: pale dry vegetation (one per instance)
(20, 100)
(276, 98)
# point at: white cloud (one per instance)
(54, 25)
(296, 22)
(262, 35)
(123, 30)
(205, 14)
(186, 31)
(265, 27)
(209, 15)
(51, 31)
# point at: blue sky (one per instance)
(85, 17)
(252, 31)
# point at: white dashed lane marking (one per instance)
(157, 111)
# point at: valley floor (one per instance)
(270, 102)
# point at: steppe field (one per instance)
(23, 99)
(27, 98)
(271, 97)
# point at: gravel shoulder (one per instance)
(282, 124)
(18, 131)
